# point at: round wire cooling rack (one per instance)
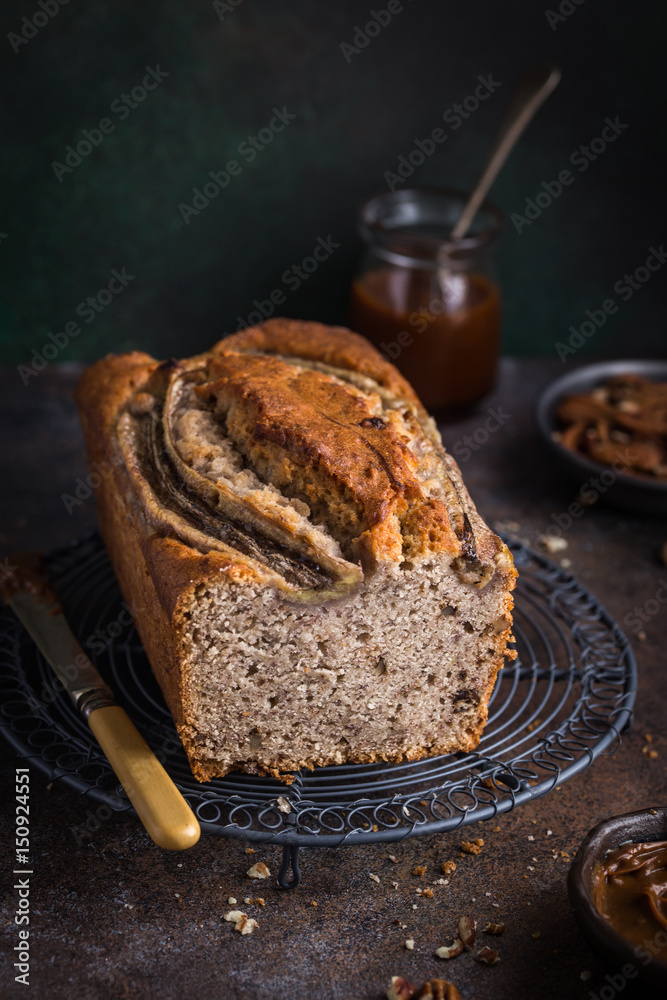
(564, 701)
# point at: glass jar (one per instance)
(429, 304)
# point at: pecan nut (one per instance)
(467, 928)
(438, 989)
(400, 989)
(488, 956)
(495, 929)
(453, 950)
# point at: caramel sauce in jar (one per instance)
(430, 304)
(445, 341)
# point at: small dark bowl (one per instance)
(614, 949)
(628, 491)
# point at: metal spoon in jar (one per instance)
(532, 91)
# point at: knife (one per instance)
(167, 817)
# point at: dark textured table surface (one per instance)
(114, 916)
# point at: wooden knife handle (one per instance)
(168, 819)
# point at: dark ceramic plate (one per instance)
(647, 825)
(631, 492)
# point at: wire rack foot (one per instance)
(290, 860)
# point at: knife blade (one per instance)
(166, 816)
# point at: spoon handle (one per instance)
(532, 91)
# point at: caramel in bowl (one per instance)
(618, 889)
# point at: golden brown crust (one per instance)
(106, 386)
(370, 465)
(332, 345)
(317, 434)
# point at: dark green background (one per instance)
(120, 206)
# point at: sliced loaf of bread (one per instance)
(308, 574)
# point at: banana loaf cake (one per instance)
(308, 574)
